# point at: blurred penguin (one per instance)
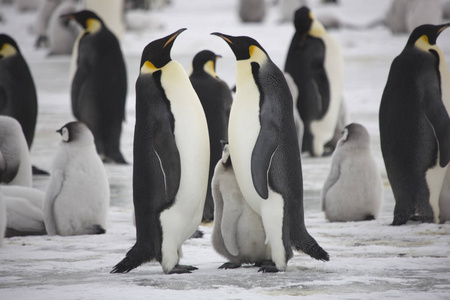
(2, 218)
(77, 196)
(61, 32)
(216, 99)
(444, 199)
(111, 12)
(299, 127)
(45, 11)
(252, 10)
(15, 166)
(353, 190)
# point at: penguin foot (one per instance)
(264, 262)
(230, 265)
(182, 269)
(197, 234)
(268, 269)
(37, 171)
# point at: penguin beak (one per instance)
(442, 28)
(173, 36)
(59, 131)
(226, 38)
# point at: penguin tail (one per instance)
(96, 229)
(312, 248)
(134, 258)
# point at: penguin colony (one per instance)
(252, 186)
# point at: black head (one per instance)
(158, 51)
(8, 46)
(429, 32)
(240, 45)
(201, 58)
(303, 19)
(72, 131)
(83, 17)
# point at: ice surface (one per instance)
(369, 260)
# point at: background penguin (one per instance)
(353, 190)
(314, 61)
(171, 160)
(45, 11)
(17, 91)
(238, 232)
(2, 218)
(99, 86)
(216, 99)
(299, 127)
(415, 126)
(15, 165)
(23, 211)
(444, 199)
(77, 196)
(265, 153)
(61, 32)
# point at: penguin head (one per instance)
(205, 61)
(157, 53)
(355, 135)
(89, 20)
(8, 46)
(244, 47)
(226, 159)
(76, 132)
(425, 36)
(303, 19)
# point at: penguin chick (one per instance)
(216, 99)
(77, 196)
(238, 232)
(353, 190)
(15, 166)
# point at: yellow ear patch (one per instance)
(209, 68)
(148, 68)
(93, 25)
(423, 43)
(8, 50)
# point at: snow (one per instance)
(369, 260)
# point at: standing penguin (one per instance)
(17, 91)
(238, 232)
(77, 196)
(444, 199)
(264, 148)
(314, 61)
(171, 160)
(99, 85)
(415, 126)
(216, 99)
(353, 190)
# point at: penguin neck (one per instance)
(317, 30)
(93, 26)
(209, 69)
(8, 50)
(244, 67)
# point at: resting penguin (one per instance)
(171, 160)
(238, 232)
(353, 190)
(77, 196)
(17, 91)
(264, 148)
(216, 99)
(415, 126)
(99, 85)
(315, 62)
(15, 165)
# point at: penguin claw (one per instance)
(229, 265)
(268, 269)
(182, 269)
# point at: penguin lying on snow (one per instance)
(99, 86)
(353, 190)
(216, 99)
(264, 148)
(415, 126)
(171, 160)
(238, 232)
(77, 196)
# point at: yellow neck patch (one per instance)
(148, 68)
(257, 55)
(317, 29)
(8, 50)
(209, 68)
(422, 43)
(93, 25)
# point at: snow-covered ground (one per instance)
(369, 260)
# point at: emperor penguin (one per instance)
(264, 148)
(299, 127)
(23, 211)
(238, 232)
(314, 60)
(99, 85)
(215, 97)
(15, 162)
(444, 199)
(171, 160)
(353, 190)
(61, 32)
(18, 97)
(2, 218)
(415, 126)
(77, 196)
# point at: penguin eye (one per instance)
(344, 135)
(65, 134)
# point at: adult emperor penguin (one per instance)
(315, 62)
(17, 91)
(444, 199)
(171, 160)
(415, 126)
(264, 148)
(15, 162)
(353, 190)
(215, 97)
(238, 232)
(99, 85)
(77, 196)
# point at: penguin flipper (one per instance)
(52, 192)
(322, 89)
(331, 180)
(78, 85)
(232, 210)
(9, 165)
